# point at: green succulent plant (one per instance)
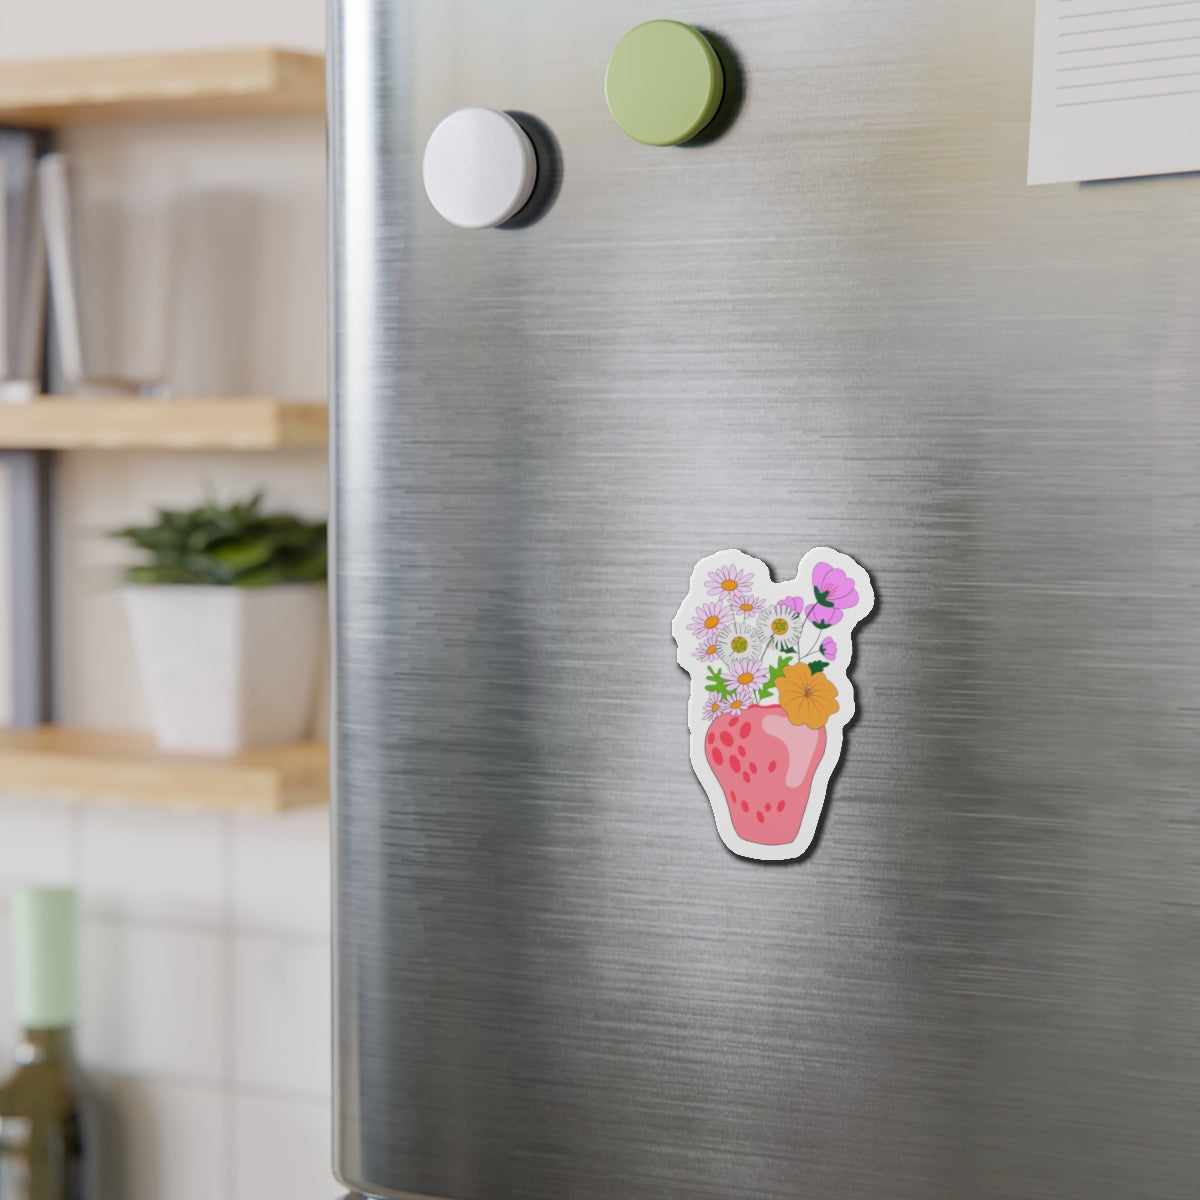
(237, 546)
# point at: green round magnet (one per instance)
(664, 83)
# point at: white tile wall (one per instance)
(171, 1142)
(154, 864)
(38, 843)
(205, 989)
(293, 895)
(281, 1015)
(282, 1150)
(156, 1000)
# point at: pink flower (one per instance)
(746, 604)
(747, 675)
(829, 649)
(727, 580)
(708, 619)
(709, 651)
(714, 706)
(833, 588)
(795, 603)
(823, 617)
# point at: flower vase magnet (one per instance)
(770, 692)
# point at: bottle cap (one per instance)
(44, 928)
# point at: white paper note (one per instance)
(1116, 89)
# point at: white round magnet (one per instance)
(479, 168)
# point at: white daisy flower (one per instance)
(738, 640)
(779, 626)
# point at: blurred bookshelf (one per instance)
(151, 87)
(225, 423)
(90, 765)
(55, 761)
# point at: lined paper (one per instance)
(1116, 89)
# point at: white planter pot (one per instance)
(226, 668)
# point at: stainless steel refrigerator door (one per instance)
(846, 321)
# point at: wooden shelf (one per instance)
(78, 764)
(228, 423)
(215, 83)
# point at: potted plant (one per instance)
(228, 622)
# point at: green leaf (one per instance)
(237, 544)
(817, 667)
(312, 568)
(161, 575)
(241, 554)
(716, 683)
(261, 577)
(776, 671)
(173, 520)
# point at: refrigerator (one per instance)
(836, 319)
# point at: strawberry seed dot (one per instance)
(718, 757)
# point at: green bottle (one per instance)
(42, 1124)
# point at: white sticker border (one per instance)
(837, 672)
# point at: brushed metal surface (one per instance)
(846, 321)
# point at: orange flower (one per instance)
(807, 699)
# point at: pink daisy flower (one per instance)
(708, 620)
(745, 605)
(737, 703)
(747, 675)
(714, 706)
(728, 580)
(709, 651)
